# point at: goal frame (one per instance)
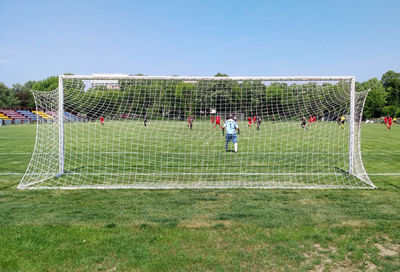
(61, 79)
(54, 165)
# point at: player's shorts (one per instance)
(231, 137)
(218, 123)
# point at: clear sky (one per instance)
(248, 38)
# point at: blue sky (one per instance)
(241, 38)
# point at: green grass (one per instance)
(198, 230)
(167, 152)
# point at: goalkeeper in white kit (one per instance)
(231, 128)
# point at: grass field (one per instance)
(202, 229)
(166, 154)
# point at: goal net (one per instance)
(163, 132)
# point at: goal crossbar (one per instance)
(233, 78)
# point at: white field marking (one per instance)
(178, 173)
(384, 174)
(180, 186)
(188, 153)
(232, 174)
(206, 174)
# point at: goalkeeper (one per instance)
(231, 127)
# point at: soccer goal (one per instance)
(147, 132)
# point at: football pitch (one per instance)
(166, 154)
(202, 229)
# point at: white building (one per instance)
(111, 84)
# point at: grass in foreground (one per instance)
(197, 230)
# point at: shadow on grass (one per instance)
(9, 186)
(390, 184)
(342, 171)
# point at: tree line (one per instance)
(177, 98)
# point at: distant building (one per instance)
(111, 84)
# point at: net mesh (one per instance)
(162, 133)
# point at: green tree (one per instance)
(392, 111)
(391, 83)
(24, 95)
(48, 84)
(220, 75)
(7, 97)
(376, 98)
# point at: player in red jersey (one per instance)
(313, 119)
(212, 119)
(217, 121)
(386, 121)
(254, 118)
(102, 120)
(310, 120)
(390, 120)
(249, 122)
(190, 122)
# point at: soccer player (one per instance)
(235, 118)
(102, 120)
(190, 122)
(342, 120)
(313, 119)
(310, 120)
(394, 121)
(249, 122)
(254, 118)
(231, 128)
(385, 120)
(258, 122)
(145, 120)
(212, 119)
(390, 120)
(304, 123)
(217, 121)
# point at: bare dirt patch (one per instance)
(204, 224)
(354, 223)
(371, 267)
(392, 250)
(112, 269)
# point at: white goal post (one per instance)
(156, 132)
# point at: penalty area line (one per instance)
(383, 174)
(188, 174)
